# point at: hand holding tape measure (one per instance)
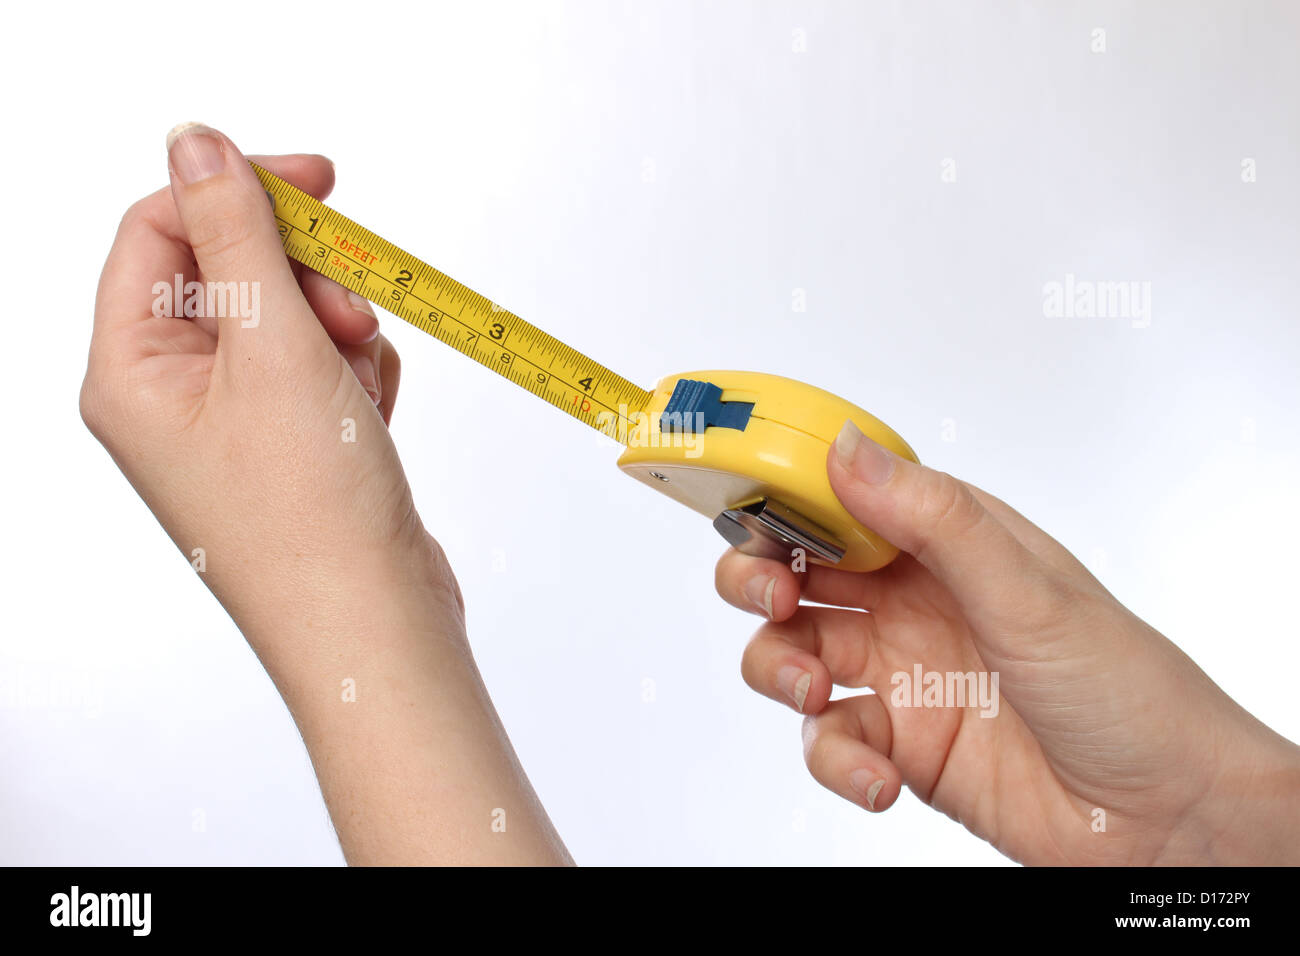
(755, 461)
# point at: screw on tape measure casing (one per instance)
(743, 448)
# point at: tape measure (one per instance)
(745, 449)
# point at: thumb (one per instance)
(932, 516)
(228, 220)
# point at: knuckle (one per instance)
(136, 215)
(720, 575)
(816, 745)
(729, 577)
(945, 505)
(751, 660)
(218, 232)
(1052, 599)
(93, 405)
(946, 501)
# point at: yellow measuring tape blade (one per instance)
(332, 244)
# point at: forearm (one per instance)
(413, 762)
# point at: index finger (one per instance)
(773, 590)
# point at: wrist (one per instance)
(313, 611)
(1248, 815)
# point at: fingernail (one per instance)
(868, 461)
(867, 784)
(195, 153)
(364, 369)
(759, 592)
(361, 305)
(794, 683)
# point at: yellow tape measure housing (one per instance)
(778, 458)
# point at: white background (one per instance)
(652, 183)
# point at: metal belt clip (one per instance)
(767, 529)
